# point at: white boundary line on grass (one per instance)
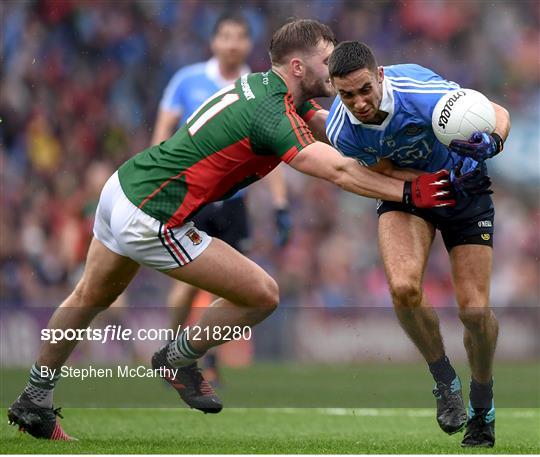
(522, 413)
(384, 412)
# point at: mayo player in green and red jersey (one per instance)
(143, 218)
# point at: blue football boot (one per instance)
(480, 430)
(451, 413)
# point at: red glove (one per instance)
(430, 190)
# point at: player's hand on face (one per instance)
(480, 146)
(467, 178)
(430, 190)
(283, 226)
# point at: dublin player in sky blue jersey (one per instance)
(144, 215)
(382, 118)
(187, 90)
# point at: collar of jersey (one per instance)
(212, 71)
(387, 104)
(279, 78)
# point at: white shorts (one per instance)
(130, 232)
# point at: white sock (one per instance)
(180, 353)
(40, 388)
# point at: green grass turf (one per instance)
(380, 408)
(366, 385)
(253, 431)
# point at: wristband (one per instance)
(499, 141)
(407, 193)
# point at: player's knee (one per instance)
(475, 318)
(268, 295)
(262, 301)
(92, 297)
(406, 294)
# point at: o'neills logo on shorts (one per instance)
(194, 236)
(485, 224)
(447, 110)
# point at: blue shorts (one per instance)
(471, 221)
(226, 220)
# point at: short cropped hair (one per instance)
(350, 56)
(298, 35)
(235, 19)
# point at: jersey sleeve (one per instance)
(341, 135)
(423, 87)
(279, 130)
(308, 109)
(173, 95)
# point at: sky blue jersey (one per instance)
(191, 86)
(410, 92)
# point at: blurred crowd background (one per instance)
(81, 81)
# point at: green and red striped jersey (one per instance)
(236, 137)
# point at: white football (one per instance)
(460, 113)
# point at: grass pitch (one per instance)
(266, 431)
(269, 425)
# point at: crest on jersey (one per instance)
(412, 130)
(485, 236)
(194, 236)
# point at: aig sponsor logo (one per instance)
(410, 153)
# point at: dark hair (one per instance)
(298, 35)
(231, 17)
(350, 56)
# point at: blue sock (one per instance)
(442, 371)
(481, 395)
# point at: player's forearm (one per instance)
(165, 126)
(323, 161)
(158, 136)
(162, 130)
(502, 121)
(360, 180)
(278, 188)
(386, 167)
(404, 174)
